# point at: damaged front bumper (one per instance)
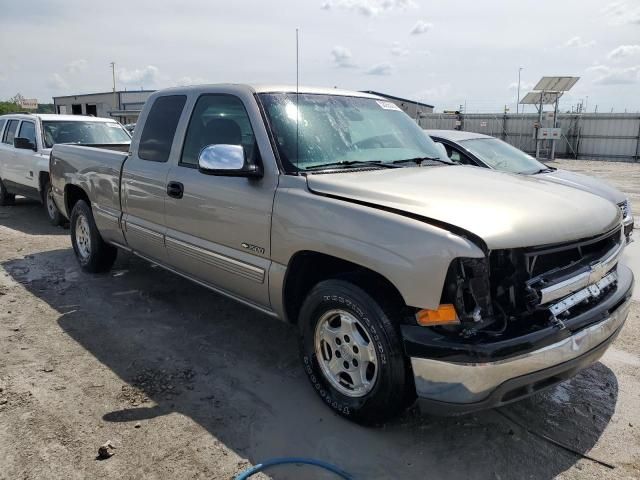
(455, 377)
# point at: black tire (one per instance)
(6, 198)
(92, 252)
(391, 392)
(55, 217)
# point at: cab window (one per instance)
(218, 119)
(160, 128)
(2, 122)
(28, 131)
(10, 132)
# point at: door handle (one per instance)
(175, 189)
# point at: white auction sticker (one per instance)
(388, 105)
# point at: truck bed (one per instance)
(95, 169)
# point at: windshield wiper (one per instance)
(419, 160)
(543, 170)
(351, 163)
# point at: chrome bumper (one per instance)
(460, 384)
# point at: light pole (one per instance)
(113, 75)
(518, 101)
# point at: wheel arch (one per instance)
(307, 268)
(73, 193)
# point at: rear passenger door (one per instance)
(25, 159)
(144, 179)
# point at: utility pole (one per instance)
(518, 101)
(113, 75)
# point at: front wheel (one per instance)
(55, 217)
(93, 253)
(352, 353)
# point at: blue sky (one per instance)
(445, 53)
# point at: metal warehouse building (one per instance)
(123, 106)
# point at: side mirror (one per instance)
(23, 143)
(226, 161)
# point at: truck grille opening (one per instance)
(508, 295)
(532, 276)
(541, 260)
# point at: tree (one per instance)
(9, 107)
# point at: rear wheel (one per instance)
(93, 253)
(6, 198)
(55, 217)
(352, 353)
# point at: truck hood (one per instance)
(504, 210)
(584, 182)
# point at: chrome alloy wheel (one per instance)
(51, 206)
(346, 353)
(83, 236)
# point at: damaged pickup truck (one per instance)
(405, 275)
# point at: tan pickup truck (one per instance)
(406, 276)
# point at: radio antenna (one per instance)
(297, 95)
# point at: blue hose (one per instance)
(293, 460)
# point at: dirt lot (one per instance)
(187, 384)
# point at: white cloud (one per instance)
(143, 77)
(421, 27)
(368, 8)
(380, 69)
(578, 42)
(3, 76)
(76, 66)
(186, 81)
(524, 86)
(624, 51)
(434, 94)
(606, 75)
(342, 57)
(621, 13)
(397, 50)
(56, 82)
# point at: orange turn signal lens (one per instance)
(444, 315)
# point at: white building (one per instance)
(123, 106)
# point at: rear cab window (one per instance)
(10, 132)
(160, 128)
(83, 132)
(2, 122)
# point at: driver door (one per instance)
(218, 229)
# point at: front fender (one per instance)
(413, 255)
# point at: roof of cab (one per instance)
(270, 89)
(54, 117)
(455, 135)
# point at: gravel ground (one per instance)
(187, 384)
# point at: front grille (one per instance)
(557, 258)
(535, 278)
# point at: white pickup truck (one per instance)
(25, 144)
